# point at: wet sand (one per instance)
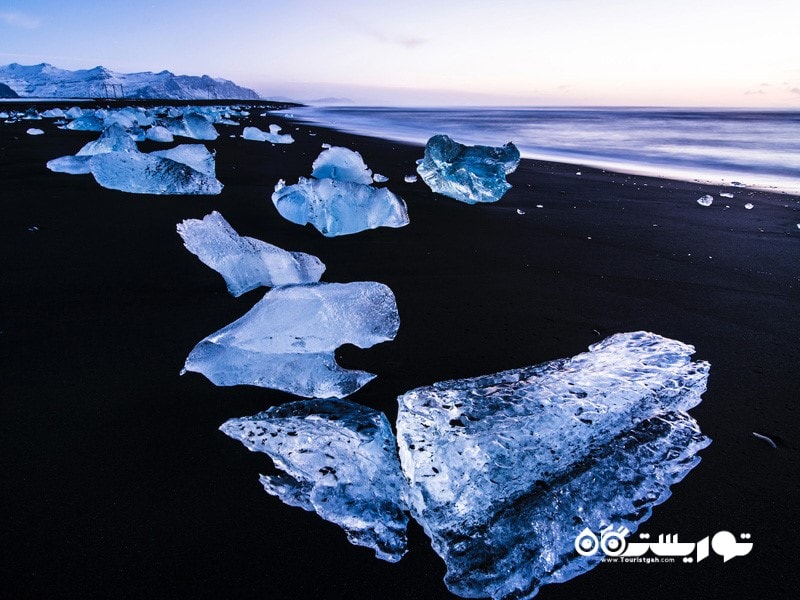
(118, 484)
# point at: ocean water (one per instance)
(759, 148)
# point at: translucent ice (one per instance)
(378, 178)
(113, 139)
(339, 207)
(244, 262)
(34, 131)
(273, 136)
(341, 164)
(86, 122)
(467, 173)
(157, 133)
(140, 173)
(338, 459)
(195, 156)
(191, 125)
(506, 470)
(287, 340)
(705, 200)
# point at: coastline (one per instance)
(121, 484)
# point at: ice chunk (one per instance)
(287, 340)
(113, 139)
(339, 460)
(705, 200)
(341, 164)
(506, 470)
(54, 113)
(726, 195)
(255, 134)
(34, 131)
(191, 125)
(73, 113)
(140, 173)
(196, 156)
(378, 178)
(738, 184)
(339, 207)
(467, 173)
(87, 122)
(158, 133)
(31, 115)
(244, 262)
(410, 179)
(748, 206)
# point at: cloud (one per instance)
(395, 39)
(795, 90)
(19, 20)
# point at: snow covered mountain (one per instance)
(46, 81)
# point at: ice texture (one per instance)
(195, 156)
(158, 133)
(113, 139)
(191, 125)
(140, 173)
(339, 207)
(287, 340)
(273, 136)
(705, 200)
(470, 174)
(244, 262)
(506, 470)
(337, 459)
(86, 122)
(341, 164)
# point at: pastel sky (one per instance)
(426, 52)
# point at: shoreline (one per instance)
(120, 482)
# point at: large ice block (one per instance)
(140, 173)
(287, 340)
(244, 262)
(113, 139)
(338, 459)
(470, 174)
(506, 470)
(339, 207)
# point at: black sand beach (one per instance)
(117, 483)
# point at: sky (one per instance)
(727, 53)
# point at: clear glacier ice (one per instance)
(86, 122)
(191, 125)
(339, 207)
(158, 133)
(470, 174)
(341, 164)
(140, 173)
(244, 262)
(273, 135)
(287, 340)
(196, 156)
(338, 459)
(506, 470)
(113, 139)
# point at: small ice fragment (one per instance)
(341, 164)
(287, 340)
(34, 131)
(748, 206)
(705, 200)
(520, 211)
(410, 179)
(54, 113)
(326, 145)
(737, 184)
(766, 439)
(540, 206)
(470, 174)
(378, 178)
(339, 207)
(725, 195)
(244, 262)
(86, 122)
(578, 173)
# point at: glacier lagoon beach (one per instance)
(119, 483)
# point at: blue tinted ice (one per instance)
(506, 470)
(158, 133)
(113, 139)
(86, 122)
(470, 174)
(341, 164)
(287, 340)
(273, 135)
(191, 125)
(338, 459)
(244, 262)
(140, 173)
(339, 207)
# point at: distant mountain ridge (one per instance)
(46, 81)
